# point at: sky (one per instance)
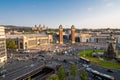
(51, 13)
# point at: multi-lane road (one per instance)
(16, 68)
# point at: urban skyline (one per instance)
(52, 13)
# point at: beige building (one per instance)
(85, 37)
(102, 38)
(13, 32)
(30, 41)
(39, 28)
(3, 54)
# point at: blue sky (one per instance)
(52, 13)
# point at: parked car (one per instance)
(109, 70)
(23, 51)
(89, 69)
(2, 72)
(85, 65)
(65, 61)
(42, 55)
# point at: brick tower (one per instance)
(73, 34)
(60, 34)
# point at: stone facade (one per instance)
(110, 53)
(30, 41)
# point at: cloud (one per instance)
(110, 20)
(109, 4)
(89, 9)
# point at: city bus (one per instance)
(99, 76)
(84, 60)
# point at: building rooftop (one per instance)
(26, 35)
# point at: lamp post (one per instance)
(84, 50)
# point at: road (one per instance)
(19, 72)
(16, 68)
(116, 73)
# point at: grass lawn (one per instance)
(88, 54)
(118, 52)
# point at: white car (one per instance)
(89, 69)
(2, 72)
(85, 65)
(26, 51)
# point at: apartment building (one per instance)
(3, 54)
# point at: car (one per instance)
(85, 65)
(23, 51)
(26, 51)
(70, 62)
(58, 66)
(89, 69)
(58, 59)
(109, 70)
(77, 62)
(70, 54)
(65, 61)
(43, 59)
(2, 72)
(34, 59)
(42, 55)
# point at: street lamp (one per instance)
(84, 50)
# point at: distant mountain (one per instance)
(13, 26)
(18, 28)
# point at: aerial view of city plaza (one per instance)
(59, 40)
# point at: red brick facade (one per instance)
(73, 34)
(60, 34)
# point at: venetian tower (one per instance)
(73, 34)
(60, 34)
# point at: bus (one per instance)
(84, 60)
(98, 75)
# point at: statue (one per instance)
(110, 53)
(111, 50)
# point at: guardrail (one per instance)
(25, 76)
(41, 73)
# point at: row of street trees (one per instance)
(73, 73)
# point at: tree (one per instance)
(61, 73)
(73, 70)
(54, 77)
(29, 78)
(83, 75)
(11, 44)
